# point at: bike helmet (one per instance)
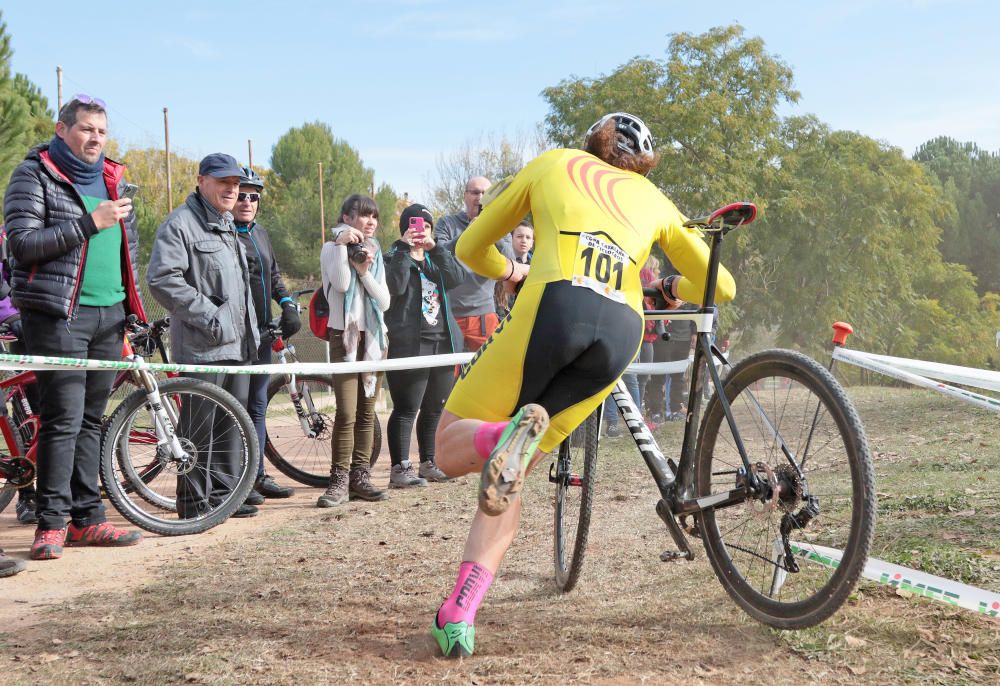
(251, 178)
(635, 137)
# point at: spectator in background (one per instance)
(198, 272)
(522, 243)
(266, 285)
(74, 246)
(354, 285)
(472, 301)
(419, 273)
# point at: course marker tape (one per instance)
(868, 361)
(906, 579)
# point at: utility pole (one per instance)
(250, 153)
(58, 89)
(166, 145)
(322, 214)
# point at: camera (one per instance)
(356, 253)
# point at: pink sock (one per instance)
(487, 436)
(470, 589)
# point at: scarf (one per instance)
(79, 172)
(375, 340)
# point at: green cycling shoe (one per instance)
(456, 639)
(503, 474)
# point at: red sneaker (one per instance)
(48, 544)
(101, 534)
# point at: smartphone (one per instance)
(129, 191)
(418, 227)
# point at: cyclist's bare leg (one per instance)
(455, 447)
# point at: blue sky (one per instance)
(405, 81)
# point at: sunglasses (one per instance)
(85, 99)
(252, 197)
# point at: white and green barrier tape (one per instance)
(44, 362)
(910, 580)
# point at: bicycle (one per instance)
(778, 463)
(174, 438)
(299, 420)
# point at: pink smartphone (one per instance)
(418, 227)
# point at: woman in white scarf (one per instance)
(354, 285)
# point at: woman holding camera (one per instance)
(419, 274)
(354, 285)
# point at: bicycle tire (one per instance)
(122, 460)
(782, 393)
(8, 491)
(579, 450)
(307, 459)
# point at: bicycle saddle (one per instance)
(733, 214)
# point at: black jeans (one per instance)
(418, 389)
(71, 406)
(257, 399)
(216, 440)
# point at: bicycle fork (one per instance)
(163, 416)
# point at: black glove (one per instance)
(290, 323)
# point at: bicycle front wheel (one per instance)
(575, 472)
(299, 433)
(807, 446)
(186, 491)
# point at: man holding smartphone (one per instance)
(74, 246)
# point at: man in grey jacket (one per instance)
(472, 301)
(198, 272)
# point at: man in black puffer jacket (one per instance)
(73, 244)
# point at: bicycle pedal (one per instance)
(674, 555)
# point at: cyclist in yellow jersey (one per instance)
(574, 328)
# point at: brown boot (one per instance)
(336, 492)
(362, 487)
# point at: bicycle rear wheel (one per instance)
(142, 478)
(805, 440)
(304, 453)
(575, 472)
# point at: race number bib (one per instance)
(599, 266)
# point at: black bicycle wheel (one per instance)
(575, 472)
(301, 448)
(143, 478)
(805, 440)
(13, 470)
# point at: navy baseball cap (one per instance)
(219, 165)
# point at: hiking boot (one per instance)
(456, 639)
(503, 474)
(614, 431)
(254, 498)
(336, 492)
(430, 471)
(103, 534)
(269, 488)
(9, 566)
(403, 476)
(48, 544)
(25, 509)
(245, 510)
(361, 486)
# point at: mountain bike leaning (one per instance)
(778, 462)
(179, 435)
(300, 414)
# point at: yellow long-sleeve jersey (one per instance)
(594, 226)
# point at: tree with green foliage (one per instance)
(25, 117)
(291, 207)
(970, 178)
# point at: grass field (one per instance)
(348, 594)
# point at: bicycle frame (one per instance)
(676, 481)
(284, 350)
